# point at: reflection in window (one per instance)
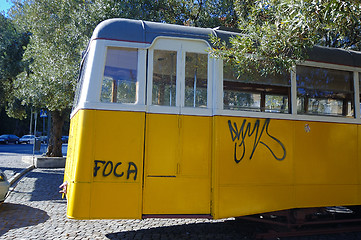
(120, 76)
(276, 103)
(255, 92)
(324, 91)
(164, 78)
(196, 80)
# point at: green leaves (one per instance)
(53, 53)
(12, 47)
(278, 33)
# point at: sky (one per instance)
(5, 5)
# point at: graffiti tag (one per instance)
(109, 168)
(256, 131)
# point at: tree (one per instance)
(277, 34)
(60, 31)
(54, 56)
(12, 47)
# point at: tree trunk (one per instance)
(55, 143)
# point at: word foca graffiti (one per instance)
(109, 168)
(255, 133)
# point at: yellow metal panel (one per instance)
(177, 163)
(70, 158)
(79, 203)
(326, 153)
(83, 152)
(177, 196)
(119, 135)
(254, 165)
(78, 168)
(116, 200)
(326, 195)
(107, 152)
(162, 144)
(119, 143)
(359, 163)
(254, 151)
(196, 146)
(246, 200)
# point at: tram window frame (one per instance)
(322, 95)
(182, 47)
(131, 82)
(260, 86)
(81, 79)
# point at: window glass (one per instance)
(196, 80)
(164, 78)
(359, 82)
(80, 81)
(276, 103)
(120, 76)
(255, 92)
(324, 91)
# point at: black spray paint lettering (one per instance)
(239, 136)
(109, 168)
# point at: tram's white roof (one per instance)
(140, 31)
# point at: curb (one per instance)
(20, 174)
(45, 162)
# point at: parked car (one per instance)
(9, 138)
(27, 139)
(4, 186)
(64, 139)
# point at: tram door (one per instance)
(177, 158)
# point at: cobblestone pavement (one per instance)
(35, 210)
(11, 164)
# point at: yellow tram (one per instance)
(160, 128)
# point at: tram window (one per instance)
(196, 80)
(256, 93)
(276, 103)
(120, 76)
(164, 78)
(324, 91)
(80, 81)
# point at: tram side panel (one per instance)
(359, 164)
(253, 165)
(106, 176)
(320, 165)
(177, 165)
(76, 170)
(326, 164)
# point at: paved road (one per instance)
(35, 210)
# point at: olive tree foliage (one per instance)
(60, 31)
(276, 34)
(53, 53)
(12, 47)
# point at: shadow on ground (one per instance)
(18, 216)
(47, 184)
(44, 186)
(231, 229)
